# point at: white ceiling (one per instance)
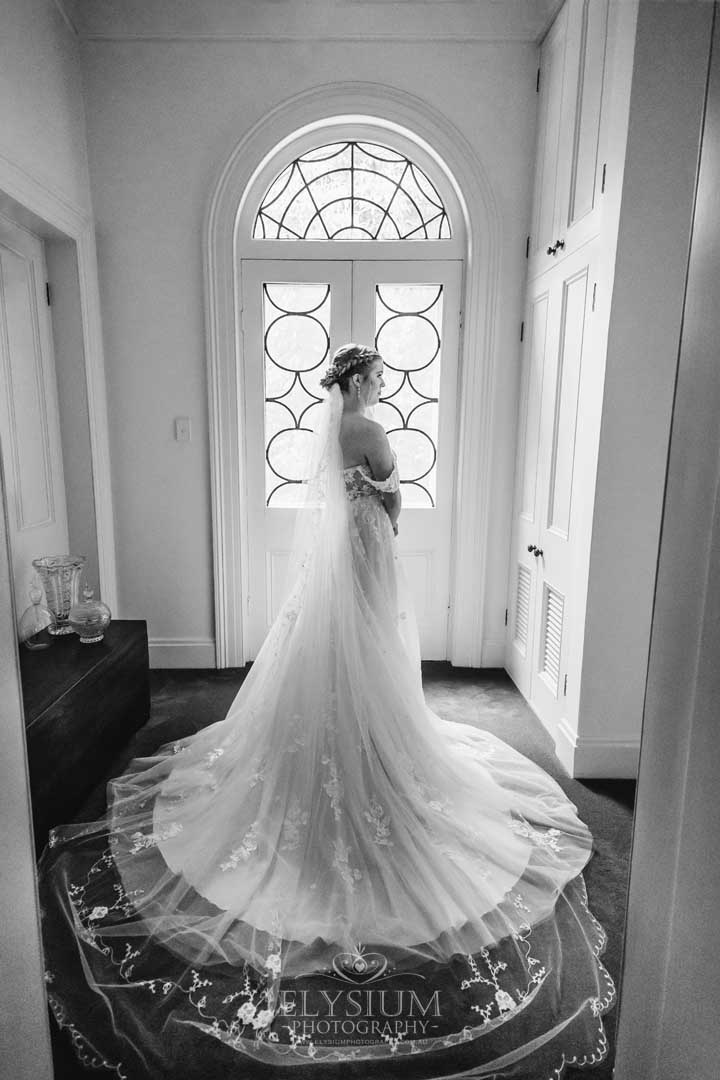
(482, 20)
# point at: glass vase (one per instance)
(60, 576)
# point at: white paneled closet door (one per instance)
(29, 413)
(544, 633)
(526, 518)
(569, 170)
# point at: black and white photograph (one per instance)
(359, 539)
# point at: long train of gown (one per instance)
(332, 873)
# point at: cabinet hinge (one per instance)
(48, 293)
(565, 687)
(522, 330)
(461, 318)
(594, 294)
(527, 248)
(602, 182)
(537, 82)
(506, 611)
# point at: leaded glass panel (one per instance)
(296, 333)
(408, 320)
(352, 191)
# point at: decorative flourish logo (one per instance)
(365, 1001)
(360, 967)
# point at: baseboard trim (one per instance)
(596, 757)
(182, 653)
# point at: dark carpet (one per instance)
(185, 701)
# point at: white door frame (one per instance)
(408, 118)
(48, 213)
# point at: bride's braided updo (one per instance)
(347, 361)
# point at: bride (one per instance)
(332, 874)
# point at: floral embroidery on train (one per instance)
(341, 863)
(548, 838)
(141, 840)
(247, 848)
(486, 971)
(257, 776)
(333, 786)
(380, 822)
(295, 821)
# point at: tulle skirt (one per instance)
(330, 875)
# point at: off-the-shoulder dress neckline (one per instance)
(364, 465)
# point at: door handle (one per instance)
(535, 550)
(557, 246)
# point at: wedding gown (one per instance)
(332, 874)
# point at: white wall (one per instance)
(666, 109)
(43, 125)
(42, 141)
(163, 116)
(669, 1017)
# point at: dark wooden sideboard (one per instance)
(82, 704)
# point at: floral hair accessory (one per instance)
(347, 360)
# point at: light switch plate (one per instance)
(182, 429)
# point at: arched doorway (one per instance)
(371, 251)
(269, 248)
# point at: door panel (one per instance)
(294, 315)
(29, 414)
(568, 345)
(552, 65)
(521, 602)
(411, 311)
(540, 595)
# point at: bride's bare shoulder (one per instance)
(362, 430)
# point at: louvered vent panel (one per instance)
(553, 604)
(522, 606)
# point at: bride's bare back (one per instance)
(364, 442)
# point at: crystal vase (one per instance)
(60, 576)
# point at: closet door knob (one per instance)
(537, 552)
(552, 250)
(559, 244)
(531, 547)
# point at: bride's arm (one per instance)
(380, 460)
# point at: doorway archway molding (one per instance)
(391, 112)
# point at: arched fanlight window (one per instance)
(352, 191)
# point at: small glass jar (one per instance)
(36, 622)
(89, 618)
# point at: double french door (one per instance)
(295, 314)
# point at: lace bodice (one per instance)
(359, 481)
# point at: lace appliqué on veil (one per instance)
(546, 839)
(295, 821)
(380, 822)
(333, 786)
(141, 840)
(247, 848)
(341, 862)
